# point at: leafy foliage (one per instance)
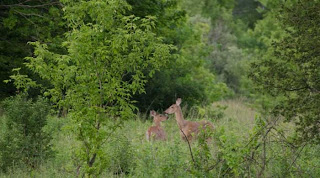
(107, 53)
(291, 68)
(185, 74)
(239, 147)
(224, 58)
(246, 10)
(121, 159)
(23, 140)
(23, 21)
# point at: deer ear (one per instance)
(178, 102)
(152, 113)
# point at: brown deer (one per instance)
(156, 132)
(188, 129)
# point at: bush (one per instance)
(121, 159)
(23, 141)
(213, 112)
(161, 159)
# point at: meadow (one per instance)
(128, 153)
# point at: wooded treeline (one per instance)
(205, 36)
(102, 62)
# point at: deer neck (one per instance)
(179, 117)
(157, 123)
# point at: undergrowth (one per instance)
(244, 144)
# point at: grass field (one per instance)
(128, 154)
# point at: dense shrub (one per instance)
(209, 112)
(161, 159)
(23, 141)
(121, 159)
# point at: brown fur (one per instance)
(189, 128)
(156, 132)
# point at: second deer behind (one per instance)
(156, 132)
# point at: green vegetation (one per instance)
(77, 78)
(236, 150)
(292, 64)
(22, 139)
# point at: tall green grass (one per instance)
(129, 154)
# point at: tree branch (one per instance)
(23, 5)
(194, 163)
(298, 155)
(24, 14)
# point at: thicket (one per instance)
(23, 140)
(292, 64)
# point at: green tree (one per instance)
(290, 69)
(246, 11)
(107, 54)
(255, 44)
(225, 57)
(184, 75)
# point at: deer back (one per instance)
(156, 133)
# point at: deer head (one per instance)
(173, 108)
(157, 118)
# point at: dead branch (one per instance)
(23, 5)
(194, 163)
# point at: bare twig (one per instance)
(92, 160)
(284, 138)
(194, 163)
(32, 14)
(264, 153)
(150, 105)
(226, 171)
(26, 17)
(31, 6)
(298, 155)
(213, 166)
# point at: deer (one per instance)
(156, 132)
(188, 129)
